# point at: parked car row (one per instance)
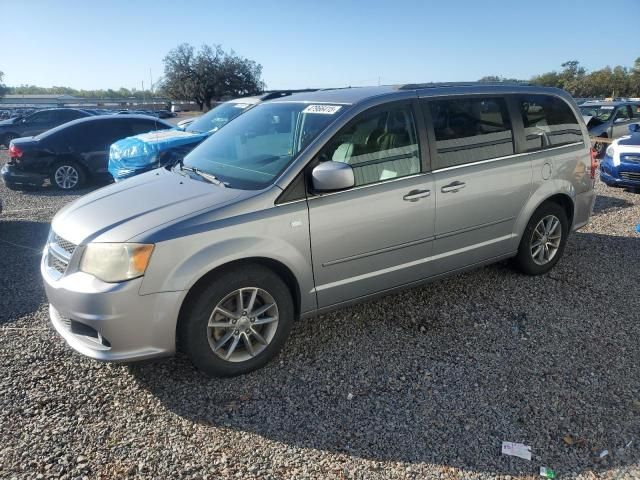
(609, 119)
(73, 152)
(621, 164)
(132, 156)
(37, 123)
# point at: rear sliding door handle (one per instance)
(415, 195)
(453, 187)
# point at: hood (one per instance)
(123, 210)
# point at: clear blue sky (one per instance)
(112, 43)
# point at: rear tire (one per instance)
(67, 175)
(222, 321)
(543, 240)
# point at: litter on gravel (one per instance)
(516, 450)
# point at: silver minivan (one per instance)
(313, 202)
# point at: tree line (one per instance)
(613, 82)
(210, 73)
(202, 76)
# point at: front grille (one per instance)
(59, 265)
(65, 245)
(59, 255)
(630, 175)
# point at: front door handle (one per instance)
(415, 195)
(453, 187)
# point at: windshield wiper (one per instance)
(207, 176)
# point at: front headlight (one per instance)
(610, 151)
(116, 262)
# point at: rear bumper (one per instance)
(583, 208)
(11, 175)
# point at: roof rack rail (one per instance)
(416, 86)
(271, 94)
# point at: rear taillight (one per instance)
(15, 152)
(594, 162)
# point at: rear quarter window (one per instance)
(470, 130)
(548, 122)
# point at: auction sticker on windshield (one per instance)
(324, 109)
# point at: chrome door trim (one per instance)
(475, 227)
(508, 157)
(376, 252)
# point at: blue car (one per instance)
(620, 166)
(134, 155)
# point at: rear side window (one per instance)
(548, 122)
(470, 130)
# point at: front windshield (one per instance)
(250, 152)
(217, 118)
(601, 112)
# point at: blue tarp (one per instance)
(133, 155)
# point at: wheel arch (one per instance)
(558, 192)
(275, 266)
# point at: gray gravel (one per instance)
(422, 384)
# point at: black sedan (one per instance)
(73, 153)
(37, 123)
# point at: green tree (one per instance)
(209, 74)
(3, 88)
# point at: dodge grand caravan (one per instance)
(312, 202)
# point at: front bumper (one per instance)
(612, 175)
(11, 175)
(111, 322)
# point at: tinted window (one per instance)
(42, 117)
(138, 126)
(623, 113)
(67, 115)
(218, 117)
(379, 145)
(548, 122)
(470, 130)
(90, 136)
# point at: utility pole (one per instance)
(151, 84)
(143, 99)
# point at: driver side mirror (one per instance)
(332, 176)
(634, 127)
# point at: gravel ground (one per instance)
(422, 384)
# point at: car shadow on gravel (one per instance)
(604, 203)
(21, 244)
(444, 373)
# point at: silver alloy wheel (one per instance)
(242, 324)
(66, 177)
(545, 240)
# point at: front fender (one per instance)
(177, 265)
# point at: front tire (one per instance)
(67, 175)
(238, 322)
(543, 240)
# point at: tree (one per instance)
(209, 74)
(3, 88)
